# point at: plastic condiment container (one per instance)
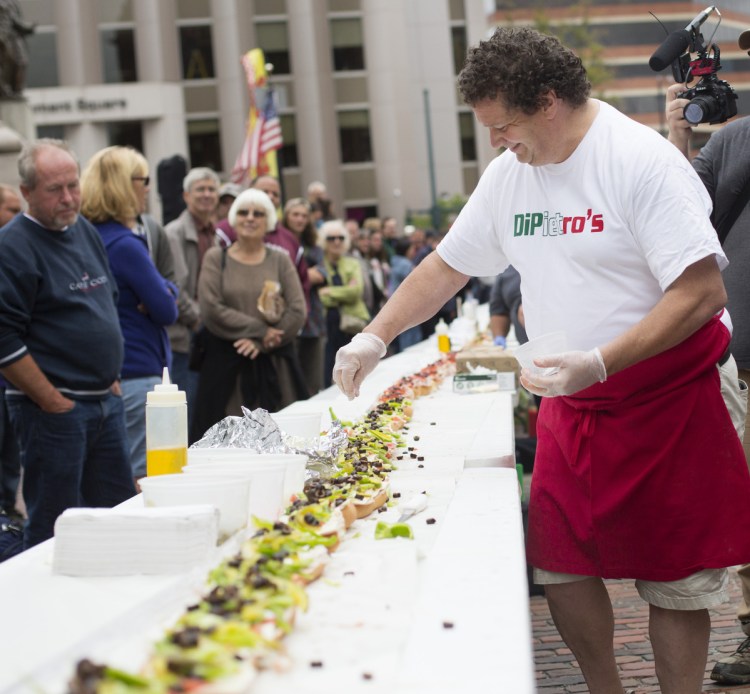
(166, 428)
(443, 341)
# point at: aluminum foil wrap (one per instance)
(256, 430)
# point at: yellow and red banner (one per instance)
(263, 137)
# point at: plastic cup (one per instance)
(266, 499)
(542, 346)
(303, 424)
(229, 494)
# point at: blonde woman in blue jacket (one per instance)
(342, 295)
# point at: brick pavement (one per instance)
(558, 673)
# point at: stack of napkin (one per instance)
(122, 542)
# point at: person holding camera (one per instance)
(608, 226)
(723, 165)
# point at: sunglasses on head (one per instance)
(257, 214)
(146, 179)
(335, 238)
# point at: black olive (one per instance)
(430, 521)
(186, 638)
(310, 519)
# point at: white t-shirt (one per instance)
(597, 239)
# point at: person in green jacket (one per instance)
(342, 295)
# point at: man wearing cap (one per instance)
(227, 194)
(723, 165)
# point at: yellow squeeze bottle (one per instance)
(166, 428)
(443, 341)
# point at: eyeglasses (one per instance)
(257, 214)
(146, 179)
(335, 238)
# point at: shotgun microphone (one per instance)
(677, 42)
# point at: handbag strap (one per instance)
(727, 222)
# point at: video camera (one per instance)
(711, 100)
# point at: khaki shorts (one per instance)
(699, 591)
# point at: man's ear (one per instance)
(550, 104)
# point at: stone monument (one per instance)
(15, 116)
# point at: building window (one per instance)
(272, 38)
(456, 10)
(56, 132)
(354, 136)
(348, 48)
(115, 11)
(125, 134)
(118, 55)
(288, 153)
(468, 137)
(197, 52)
(42, 68)
(458, 38)
(204, 144)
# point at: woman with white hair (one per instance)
(252, 306)
(343, 294)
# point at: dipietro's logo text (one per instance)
(87, 283)
(556, 224)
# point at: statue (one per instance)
(14, 56)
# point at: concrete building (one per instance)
(361, 84)
(352, 79)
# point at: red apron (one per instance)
(642, 476)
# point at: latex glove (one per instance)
(355, 361)
(576, 371)
(499, 341)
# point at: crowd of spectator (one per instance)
(244, 297)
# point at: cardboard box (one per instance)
(489, 356)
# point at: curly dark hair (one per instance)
(521, 66)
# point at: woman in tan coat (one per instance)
(249, 343)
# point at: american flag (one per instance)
(270, 126)
(258, 153)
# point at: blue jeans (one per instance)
(134, 399)
(10, 464)
(77, 458)
(187, 380)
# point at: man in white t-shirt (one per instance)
(637, 457)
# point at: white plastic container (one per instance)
(293, 465)
(303, 424)
(229, 494)
(542, 346)
(266, 499)
(166, 428)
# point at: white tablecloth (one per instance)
(446, 612)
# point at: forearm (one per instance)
(691, 300)
(499, 325)
(26, 375)
(420, 296)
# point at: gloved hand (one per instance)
(575, 371)
(355, 361)
(499, 341)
